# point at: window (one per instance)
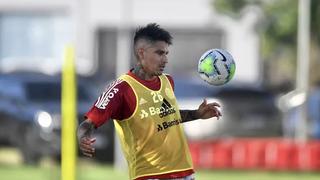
(32, 41)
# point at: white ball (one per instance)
(216, 67)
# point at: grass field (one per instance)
(11, 169)
(104, 172)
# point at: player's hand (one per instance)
(206, 111)
(86, 146)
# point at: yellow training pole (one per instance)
(68, 108)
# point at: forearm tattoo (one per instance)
(85, 129)
(188, 115)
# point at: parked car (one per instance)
(247, 111)
(30, 115)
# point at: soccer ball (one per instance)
(216, 67)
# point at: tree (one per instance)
(279, 35)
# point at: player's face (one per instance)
(155, 58)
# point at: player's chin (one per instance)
(158, 73)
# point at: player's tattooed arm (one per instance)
(85, 129)
(85, 140)
(189, 115)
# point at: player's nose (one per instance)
(165, 59)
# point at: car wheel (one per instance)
(28, 149)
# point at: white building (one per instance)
(36, 31)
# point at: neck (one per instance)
(140, 72)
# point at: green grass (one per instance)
(90, 171)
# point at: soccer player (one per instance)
(146, 114)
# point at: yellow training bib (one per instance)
(152, 139)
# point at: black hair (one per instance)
(152, 32)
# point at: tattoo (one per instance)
(85, 129)
(140, 72)
(137, 70)
(188, 115)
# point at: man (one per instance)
(146, 115)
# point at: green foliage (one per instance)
(281, 27)
(315, 14)
(279, 32)
(229, 7)
(232, 8)
(280, 22)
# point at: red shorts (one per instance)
(190, 177)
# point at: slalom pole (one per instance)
(69, 121)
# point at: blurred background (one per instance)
(270, 127)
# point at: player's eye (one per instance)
(161, 53)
